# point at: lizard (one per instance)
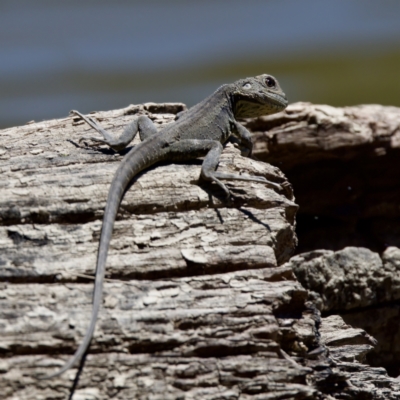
(200, 131)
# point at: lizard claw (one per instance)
(96, 141)
(287, 190)
(244, 151)
(108, 140)
(274, 185)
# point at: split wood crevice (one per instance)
(204, 299)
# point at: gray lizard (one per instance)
(201, 131)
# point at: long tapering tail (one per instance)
(130, 166)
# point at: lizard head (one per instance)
(260, 95)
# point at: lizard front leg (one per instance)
(142, 124)
(210, 163)
(244, 138)
(212, 149)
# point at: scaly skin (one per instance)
(200, 131)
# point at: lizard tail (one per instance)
(126, 171)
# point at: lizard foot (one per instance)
(229, 198)
(97, 141)
(90, 121)
(261, 179)
(287, 190)
(107, 137)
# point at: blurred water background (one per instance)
(104, 54)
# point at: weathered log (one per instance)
(197, 304)
(170, 226)
(348, 348)
(361, 286)
(343, 164)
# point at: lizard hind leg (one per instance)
(141, 124)
(95, 125)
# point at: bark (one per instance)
(348, 348)
(198, 303)
(343, 164)
(364, 288)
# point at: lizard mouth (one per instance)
(262, 104)
(280, 101)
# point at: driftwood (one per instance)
(198, 302)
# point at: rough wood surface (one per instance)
(201, 337)
(364, 288)
(306, 132)
(160, 339)
(197, 305)
(343, 164)
(348, 348)
(54, 192)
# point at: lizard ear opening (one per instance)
(246, 86)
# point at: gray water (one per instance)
(97, 54)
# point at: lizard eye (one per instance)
(247, 86)
(270, 82)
